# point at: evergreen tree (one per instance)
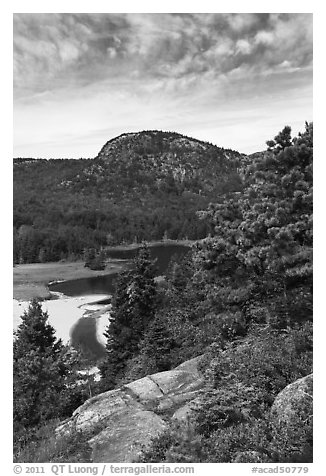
(38, 378)
(89, 257)
(76, 363)
(98, 263)
(157, 346)
(47, 379)
(133, 308)
(263, 237)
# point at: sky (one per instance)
(81, 79)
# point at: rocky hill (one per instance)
(161, 159)
(141, 186)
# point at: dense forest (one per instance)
(242, 299)
(144, 186)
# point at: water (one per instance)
(105, 284)
(84, 332)
(162, 253)
(83, 286)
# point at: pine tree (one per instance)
(263, 236)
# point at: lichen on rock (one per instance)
(291, 417)
(122, 422)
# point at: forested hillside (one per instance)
(241, 299)
(141, 186)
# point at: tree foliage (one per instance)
(249, 294)
(263, 236)
(38, 379)
(242, 298)
(142, 186)
(46, 381)
(133, 309)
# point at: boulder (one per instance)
(250, 457)
(127, 432)
(120, 422)
(97, 411)
(183, 413)
(292, 425)
(293, 403)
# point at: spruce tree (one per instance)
(133, 308)
(157, 346)
(38, 378)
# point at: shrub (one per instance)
(42, 445)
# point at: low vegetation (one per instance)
(242, 298)
(42, 445)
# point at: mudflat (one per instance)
(31, 280)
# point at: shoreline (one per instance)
(150, 244)
(78, 319)
(66, 314)
(32, 280)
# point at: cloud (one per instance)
(51, 48)
(264, 37)
(243, 47)
(90, 69)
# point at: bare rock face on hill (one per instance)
(166, 160)
(121, 421)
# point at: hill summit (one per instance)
(141, 186)
(160, 158)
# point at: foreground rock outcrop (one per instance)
(292, 421)
(122, 421)
(293, 403)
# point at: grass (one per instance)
(31, 280)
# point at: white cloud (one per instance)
(243, 46)
(130, 71)
(264, 37)
(68, 51)
(112, 53)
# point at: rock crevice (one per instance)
(123, 421)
